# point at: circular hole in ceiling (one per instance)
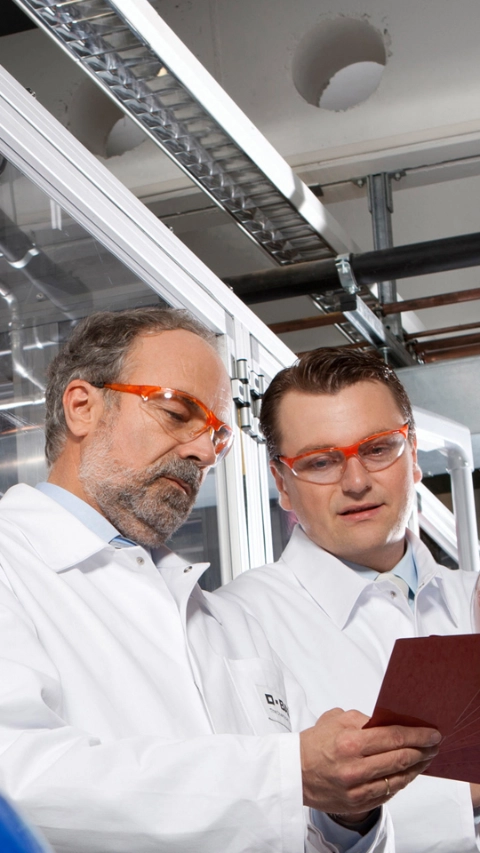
(339, 63)
(124, 136)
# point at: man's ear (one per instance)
(83, 406)
(283, 497)
(417, 471)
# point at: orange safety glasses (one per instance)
(327, 465)
(180, 415)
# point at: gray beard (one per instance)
(142, 505)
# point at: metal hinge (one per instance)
(248, 388)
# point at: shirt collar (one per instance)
(82, 511)
(331, 583)
(405, 569)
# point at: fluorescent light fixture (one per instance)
(129, 51)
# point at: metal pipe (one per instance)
(354, 345)
(308, 323)
(380, 205)
(414, 259)
(447, 343)
(439, 299)
(283, 282)
(458, 352)
(445, 330)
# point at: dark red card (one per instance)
(435, 681)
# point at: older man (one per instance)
(135, 711)
(353, 579)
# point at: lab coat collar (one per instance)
(429, 572)
(60, 539)
(182, 578)
(334, 586)
(83, 511)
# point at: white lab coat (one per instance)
(335, 630)
(114, 675)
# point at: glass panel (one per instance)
(197, 539)
(52, 273)
(53, 269)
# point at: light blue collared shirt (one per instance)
(345, 840)
(95, 521)
(405, 569)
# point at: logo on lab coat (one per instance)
(275, 706)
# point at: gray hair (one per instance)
(96, 352)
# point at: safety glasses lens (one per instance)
(375, 454)
(380, 452)
(181, 417)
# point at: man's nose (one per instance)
(200, 448)
(355, 478)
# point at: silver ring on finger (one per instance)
(388, 792)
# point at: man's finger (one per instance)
(389, 738)
(378, 792)
(395, 762)
(386, 787)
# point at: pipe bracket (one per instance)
(346, 274)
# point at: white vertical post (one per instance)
(464, 509)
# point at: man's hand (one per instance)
(475, 790)
(345, 767)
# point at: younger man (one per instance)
(353, 579)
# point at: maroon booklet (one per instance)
(435, 681)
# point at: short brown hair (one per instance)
(326, 371)
(97, 350)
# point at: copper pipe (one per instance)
(355, 345)
(429, 333)
(431, 301)
(447, 343)
(461, 352)
(308, 323)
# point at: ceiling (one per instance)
(422, 122)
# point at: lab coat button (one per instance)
(140, 561)
(187, 569)
(393, 594)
